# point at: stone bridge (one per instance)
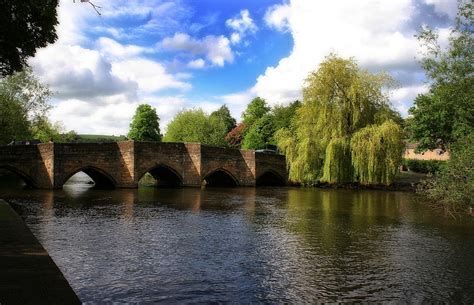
(123, 164)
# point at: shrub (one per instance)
(423, 166)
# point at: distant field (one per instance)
(99, 138)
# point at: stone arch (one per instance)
(270, 178)
(101, 178)
(220, 177)
(29, 181)
(166, 176)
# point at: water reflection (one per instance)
(251, 245)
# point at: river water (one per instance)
(271, 245)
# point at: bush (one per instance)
(423, 166)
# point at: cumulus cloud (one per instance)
(277, 16)
(150, 76)
(215, 48)
(73, 71)
(373, 32)
(241, 24)
(197, 63)
(116, 50)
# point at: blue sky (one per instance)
(182, 54)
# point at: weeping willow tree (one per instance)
(339, 99)
(376, 153)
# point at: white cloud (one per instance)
(402, 98)
(197, 64)
(369, 30)
(216, 48)
(115, 50)
(277, 16)
(73, 71)
(150, 76)
(242, 23)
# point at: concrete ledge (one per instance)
(28, 275)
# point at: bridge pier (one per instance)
(123, 164)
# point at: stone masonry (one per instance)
(122, 164)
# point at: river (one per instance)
(247, 245)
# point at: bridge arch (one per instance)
(164, 175)
(220, 177)
(101, 178)
(28, 180)
(270, 178)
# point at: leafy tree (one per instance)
(283, 115)
(14, 122)
(223, 114)
(194, 125)
(343, 106)
(145, 124)
(260, 134)
(452, 189)
(24, 104)
(187, 126)
(235, 137)
(27, 90)
(25, 26)
(446, 112)
(256, 109)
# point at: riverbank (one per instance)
(28, 275)
(404, 181)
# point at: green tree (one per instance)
(194, 125)
(446, 112)
(283, 115)
(187, 126)
(223, 114)
(25, 26)
(339, 101)
(452, 189)
(145, 124)
(24, 104)
(14, 122)
(256, 109)
(260, 134)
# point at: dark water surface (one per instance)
(250, 245)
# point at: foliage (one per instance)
(27, 90)
(453, 187)
(25, 26)
(24, 103)
(14, 122)
(195, 125)
(339, 99)
(260, 134)
(423, 166)
(256, 109)
(145, 124)
(283, 115)
(337, 165)
(377, 152)
(446, 112)
(235, 137)
(223, 114)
